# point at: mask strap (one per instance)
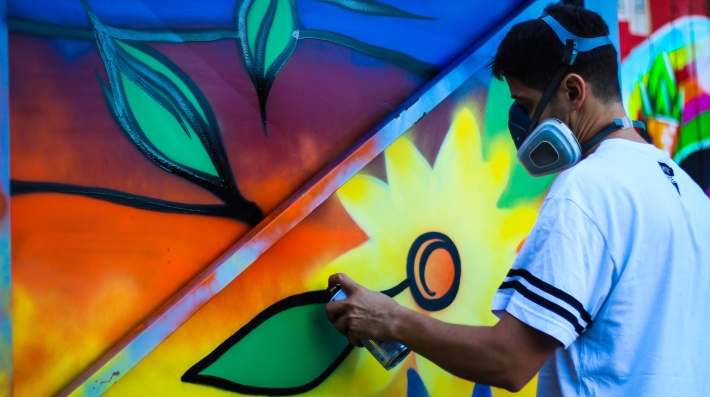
(618, 124)
(567, 61)
(583, 44)
(573, 46)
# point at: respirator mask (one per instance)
(550, 146)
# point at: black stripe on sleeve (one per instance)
(551, 306)
(552, 290)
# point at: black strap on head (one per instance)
(618, 124)
(567, 61)
(573, 46)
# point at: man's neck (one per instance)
(591, 123)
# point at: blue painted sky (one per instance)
(457, 23)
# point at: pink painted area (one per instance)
(696, 107)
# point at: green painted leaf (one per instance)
(646, 106)
(277, 34)
(158, 105)
(289, 348)
(662, 86)
(161, 68)
(167, 116)
(176, 139)
(268, 33)
(678, 106)
(663, 101)
(375, 8)
(667, 74)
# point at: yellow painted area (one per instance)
(457, 196)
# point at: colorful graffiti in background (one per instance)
(665, 76)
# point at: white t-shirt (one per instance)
(617, 268)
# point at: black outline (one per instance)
(554, 291)
(131, 200)
(167, 94)
(192, 375)
(440, 241)
(254, 63)
(43, 29)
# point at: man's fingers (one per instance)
(334, 310)
(345, 281)
(342, 325)
(354, 341)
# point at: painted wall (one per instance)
(265, 333)
(184, 179)
(150, 137)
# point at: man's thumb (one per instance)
(345, 282)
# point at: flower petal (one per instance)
(408, 176)
(368, 201)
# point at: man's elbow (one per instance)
(513, 380)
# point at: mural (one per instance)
(150, 137)
(184, 179)
(665, 75)
(397, 226)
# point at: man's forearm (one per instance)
(478, 354)
(467, 352)
(506, 355)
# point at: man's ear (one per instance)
(575, 90)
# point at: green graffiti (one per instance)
(661, 96)
(521, 186)
(164, 132)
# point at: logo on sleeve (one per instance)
(669, 173)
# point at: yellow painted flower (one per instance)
(440, 227)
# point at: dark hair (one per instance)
(532, 53)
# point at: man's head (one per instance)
(531, 53)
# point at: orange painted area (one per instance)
(87, 272)
(439, 272)
(282, 271)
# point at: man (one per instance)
(609, 294)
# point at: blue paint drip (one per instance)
(415, 385)
(480, 390)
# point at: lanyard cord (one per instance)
(613, 127)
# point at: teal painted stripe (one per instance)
(25, 26)
(394, 57)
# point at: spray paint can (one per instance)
(387, 353)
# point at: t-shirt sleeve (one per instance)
(561, 276)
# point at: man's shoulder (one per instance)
(576, 182)
(614, 166)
